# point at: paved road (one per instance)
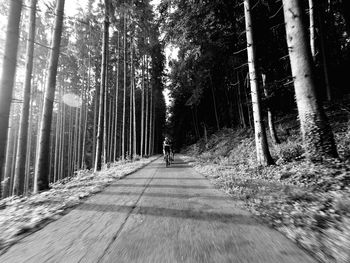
(160, 215)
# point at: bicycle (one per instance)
(167, 160)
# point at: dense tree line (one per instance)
(241, 60)
(88, 90)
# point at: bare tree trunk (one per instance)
(96, 111)
(23, 132)
(147, 109)
(324, 55)
(105, 112)
(316, 133)
(100, 128)
(312, 29)
(270, 115)
(214, 103)
(142, 107)
(150, 122)
(7, 165)
(116, 145)
(42, 162)
(133, 106)
(262, 149)
(131, 103)
(124, 91)
(8, 75)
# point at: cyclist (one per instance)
(166, 147)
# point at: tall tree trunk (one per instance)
(316, 133)
(324, 54)
(7, 165)
(23, 131)
(133, 106)
(42, 162)
(130, 103)
(124, 90)
(312, 29)
(96, 111)
(150, 122)
(116, 145)
(262, 149)
(147, 109)
(100, 126)
(270, 115)
(142, 107)
(8, 75)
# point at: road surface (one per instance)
(157, 214)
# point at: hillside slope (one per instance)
(309, 203)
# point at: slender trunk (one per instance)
(130, 103)
(13, 158)
(133, 107)
(262, 149)
(150, 122)
(42, 162)
(116, 146)
(316, 133)
(100, 128)
(7, 165)
(8, 75)
(312, 29)
(214, 103)
(124, 91)
(23, 132)
(105, 112)
(324, 55)
(96, 110)
(147, 109)
(270, 115)
(142, 107)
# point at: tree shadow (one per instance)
(167, 195)
(237, 219)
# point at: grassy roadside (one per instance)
(20, 216)
(309, 203)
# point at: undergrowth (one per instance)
(309, 203)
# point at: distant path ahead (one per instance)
(160, 215)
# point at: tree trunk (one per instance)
(142, 107)
(312, 29)
(316, 133)
(270, 115)
(262, 149)
(42, 162)
(324, 54)
(133, 107)
(8, 75)
(124, 90)
(100, 128)
(23, 131)
(147, 110)
(116, 146)
(214, 102)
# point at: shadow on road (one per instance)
(160, 186)
(167, 195)
(237, 219)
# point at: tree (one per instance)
(316, 133)
(100, 129)
(262, 150)
(8, 75)
(41, 181)
(23, 131)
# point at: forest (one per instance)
(258, 89)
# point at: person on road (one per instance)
(166, 147)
